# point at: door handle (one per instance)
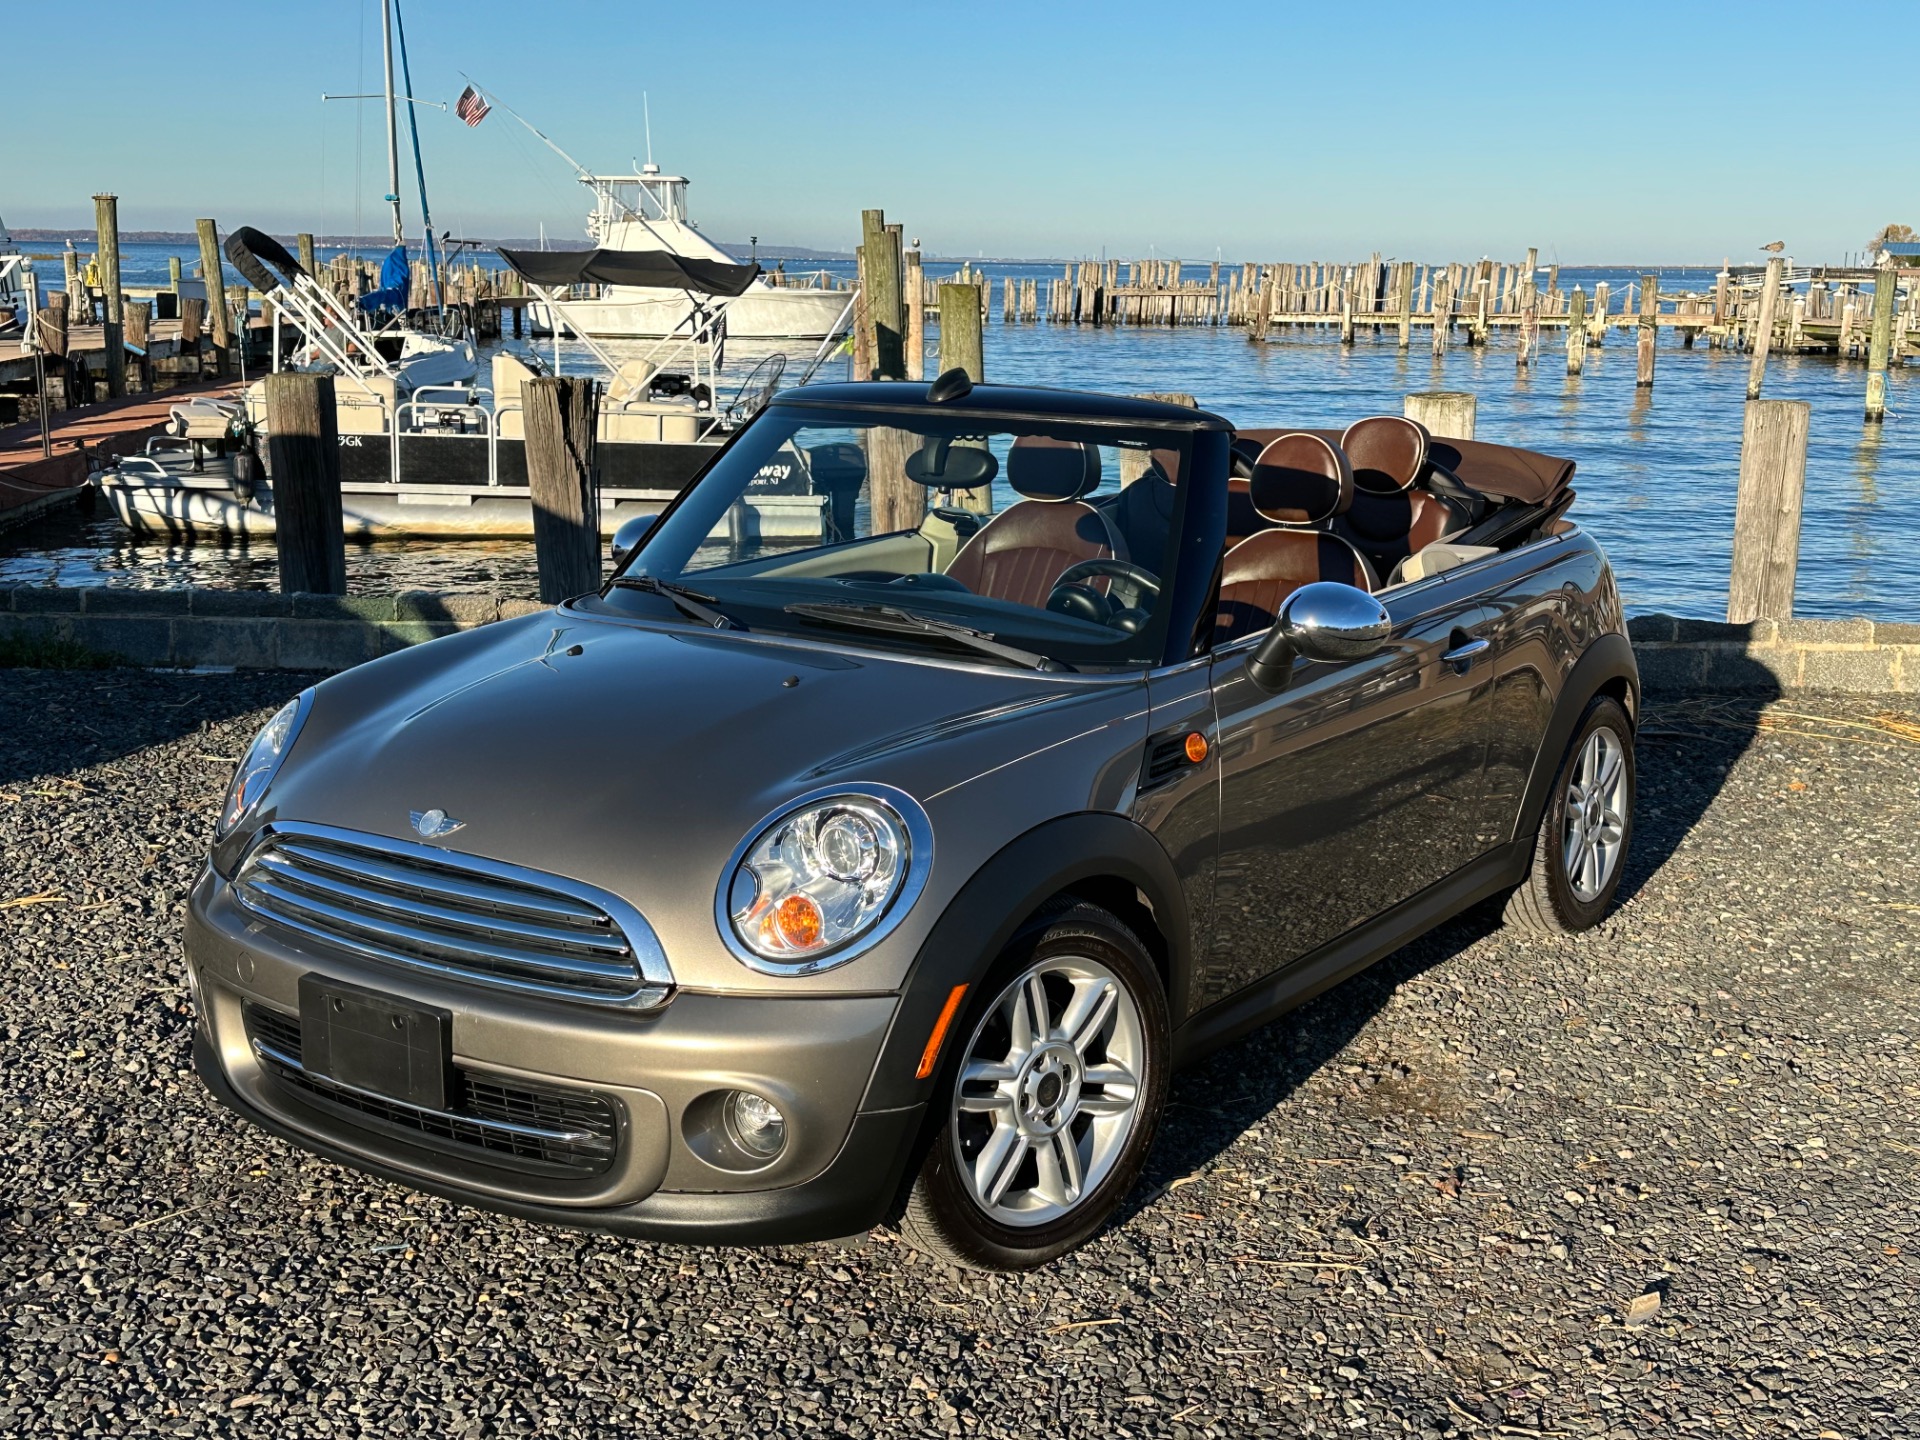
(1465, 654)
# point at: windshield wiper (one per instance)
(688, 602)
(888, 617)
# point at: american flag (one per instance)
(470, 107)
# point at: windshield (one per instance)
(1037, 542)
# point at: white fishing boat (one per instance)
(647, 210)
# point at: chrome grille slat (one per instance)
(453, 915)
(419, 879)
(604, 939)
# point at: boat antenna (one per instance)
(419, 168)
(646, 116)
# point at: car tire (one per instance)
(1019, 1112)
(1580, 849)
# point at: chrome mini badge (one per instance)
(432, 824)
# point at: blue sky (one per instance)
(1631, 132)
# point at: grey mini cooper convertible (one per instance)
(788, 886)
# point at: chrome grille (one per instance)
(517, 1125)
(419, 906)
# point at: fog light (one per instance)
(757, 1125)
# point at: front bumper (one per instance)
(839, 1173)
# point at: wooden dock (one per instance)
(82, 440)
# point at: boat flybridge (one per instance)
(451, 460)
(647, 211)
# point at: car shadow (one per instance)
(59, 722)
(1688, 743)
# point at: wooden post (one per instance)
(1649, 329)
(1448, 413)
(1442, 313)
(1766, 517)
(962, 346)
(307, 262)
(1880, 340)
(1406, 304)
(1576, 331)
(106, 221)
(193, 319)
(913, 282)
(1133, 463)
(1263, 311)
(1597, 327)
(303, 450)
(79, 303)
(561, 415)
(215, 279)
(173, 280)
(1529, 313)
(862, 359)
(885, 317)
(1346, 304)
(139, 324)
(1763, 326)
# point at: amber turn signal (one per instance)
(931, 1055)
(1196, 747)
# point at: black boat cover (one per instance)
(251, 251)
(647, 269)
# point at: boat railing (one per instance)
(406, 423)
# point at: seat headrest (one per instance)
(1388, 453)
(1042, 468)
(1301, 479)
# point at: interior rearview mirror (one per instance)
(1322, 621)
(629, 534)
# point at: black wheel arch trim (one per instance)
(1607, 659)
(990, 909)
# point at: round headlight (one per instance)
(818, 879)
(260, 764)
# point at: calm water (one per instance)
(1657, 472)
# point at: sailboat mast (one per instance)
(419, 166)
(393, 127)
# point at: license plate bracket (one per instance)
(373, 1042)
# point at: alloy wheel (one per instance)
(1595, 818)
(1049, 1091)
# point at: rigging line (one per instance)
(419, 167)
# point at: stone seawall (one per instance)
(248, 629)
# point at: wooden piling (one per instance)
(303, 449)
(307, 262)
(561, 414)
(1442, 313)
(1880, 340)
(1406, 304)
(962, 346)
(139, 325)
(1649, 332)
(106, 221)
(1263, 312)
(215, 279)
(913, 282)
(1576, 331)
(1763, 325)
(1766, 519)
(1448, 413)
(886, 321)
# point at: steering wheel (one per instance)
(1125, 604)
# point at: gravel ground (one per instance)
(1658, 1180)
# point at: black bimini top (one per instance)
(643, 269)
(1021, 402)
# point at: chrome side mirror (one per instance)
(1322, 621)
(629, 534)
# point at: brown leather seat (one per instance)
(1019, 554)
(1391, 517)
(1299, 482)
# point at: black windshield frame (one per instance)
(759, 601)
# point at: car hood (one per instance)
(636, 757)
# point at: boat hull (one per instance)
(763, 313)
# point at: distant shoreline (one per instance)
(27, 235)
